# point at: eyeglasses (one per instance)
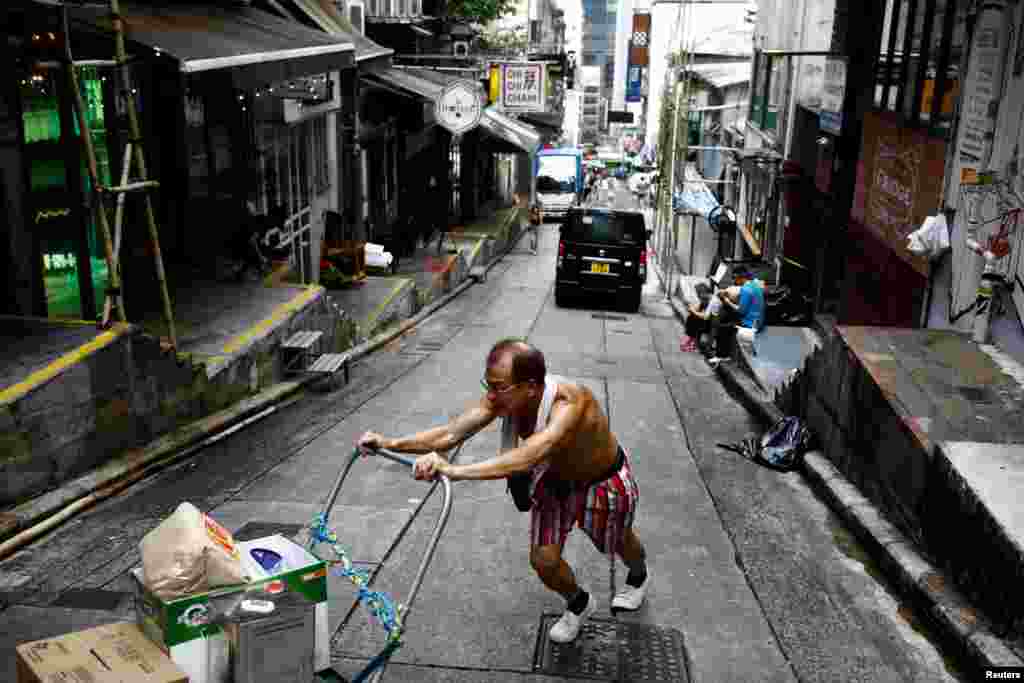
(489, 387)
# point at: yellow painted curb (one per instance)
(476, 249)
(372, 318)
(15, 391)
(261, 328)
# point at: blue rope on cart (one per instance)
(379, 603)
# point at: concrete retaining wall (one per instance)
(861, 434)
(899, 469)
(130, 392)
(981, 552)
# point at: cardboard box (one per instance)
(115, 653)
(186, 628)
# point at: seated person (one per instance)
(698, 322)
(746, 298)
(242, 247)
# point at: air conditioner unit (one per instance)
(460, 48)
(357, 16)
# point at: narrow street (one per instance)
(761, 579)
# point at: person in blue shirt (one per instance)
(748, 305)
(751, 302)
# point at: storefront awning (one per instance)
(522, 136)
(256, 46)
(544, 120)
(324, 13)
(408, 81)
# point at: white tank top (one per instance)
(510, 427)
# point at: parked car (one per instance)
(602, 252)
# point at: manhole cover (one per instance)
(254, 530)
(608, 316)
(609, 650)
(91, 598)
(976, 394)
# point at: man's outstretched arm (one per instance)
(439, 439)
(564, 416)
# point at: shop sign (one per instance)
(59, 263)
(983, 84)
(523, 87)
(49, 214)
(324, 96)
(903, 175)
(459, 107)
(830, 117)
(634, 84)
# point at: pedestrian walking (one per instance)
(557, 441)
(536, 218)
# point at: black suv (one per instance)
(602, 252)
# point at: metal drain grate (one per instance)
(608, 316)
(254, 530)
(617, 651)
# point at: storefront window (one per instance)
(918, 73)
(195, 140)
(92, 82)
(764, 104)
(52, 197)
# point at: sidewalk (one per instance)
(765, 384)
(382, 301)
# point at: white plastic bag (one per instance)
(931, 239)
(189, 553)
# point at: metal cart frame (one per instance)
(374, 671)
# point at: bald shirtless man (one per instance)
(579, 473)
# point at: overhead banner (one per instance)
(522, 87)
(640, 40)
(634, 84)
(639, 56)
(830, 116)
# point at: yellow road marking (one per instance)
(77, 355)
(372, 318)
(279, 314)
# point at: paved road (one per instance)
(759, 577)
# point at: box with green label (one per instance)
(189, 628)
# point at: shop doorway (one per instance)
(294, 166)
(73, 262)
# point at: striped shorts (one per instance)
(603, 510)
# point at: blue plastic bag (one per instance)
(784, 445)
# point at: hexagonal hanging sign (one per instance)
(459, 107)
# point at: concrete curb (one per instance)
(950, 614)
(948, 611)
(27, 514)
(174, 445)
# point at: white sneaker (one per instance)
(568, 627)
(630, 598)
